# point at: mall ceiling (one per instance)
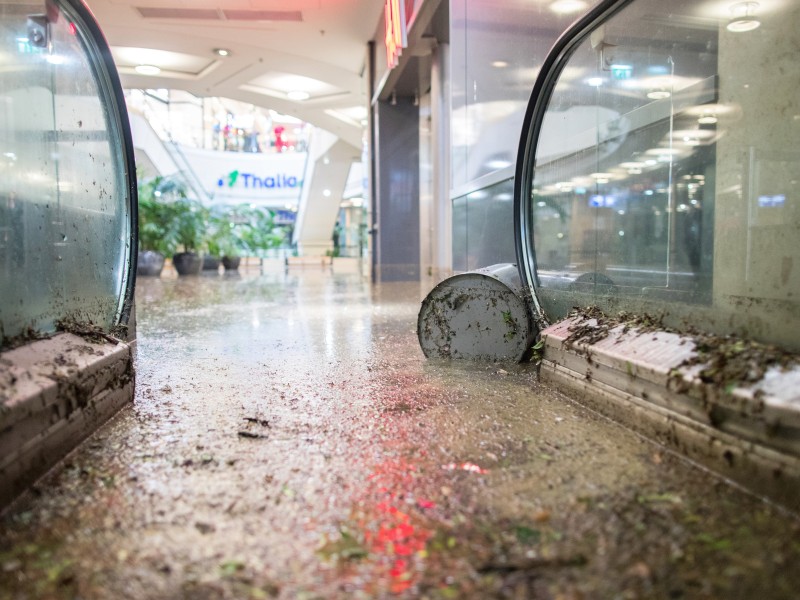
(304, 58)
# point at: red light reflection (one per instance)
(392, 525)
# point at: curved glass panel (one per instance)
(497, 49)
(64, 194)
(666, 171)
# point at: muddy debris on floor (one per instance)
(289, 440)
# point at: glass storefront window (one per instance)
(497, 49)
(665, 172)
(65, 197)
(478, 218)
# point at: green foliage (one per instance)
(238, 230)
(225, 232)
(258, 230)
(189, 224)
(155, 214)
(537, 352)
(168, 219)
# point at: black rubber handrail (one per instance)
(543, 88)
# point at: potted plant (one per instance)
(221, 239)
(188, 228)
(259, 232)
(233, 229)
(155, 218)
(211, 257)
(212, 251)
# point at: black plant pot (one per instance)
(150, 264)
(210, 263)
(231, 263)
(187, 263)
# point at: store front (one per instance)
(409, 139)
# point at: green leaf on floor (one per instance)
(346, 547)
(714, 543)
(666, 498)
(231, 567)
(528, 536)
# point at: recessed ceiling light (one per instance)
(499, 64)
(147, 70)
(222, 52)
(743, 18)
(298, 95)
(595, 81)
(707, 120)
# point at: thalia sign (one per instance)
(251, 181)
(266, 179)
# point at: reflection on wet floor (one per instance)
(289, 440)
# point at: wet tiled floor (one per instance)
(288, 439)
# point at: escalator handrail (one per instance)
(545, 83)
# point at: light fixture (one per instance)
(498, 163)
(743, 17)
(499, 64)
(298, 95)
(709, 119)
(566, 7)
(222, 52)
(658, 94)
(595, 81)
(147, 69)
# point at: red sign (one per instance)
(395, 13)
